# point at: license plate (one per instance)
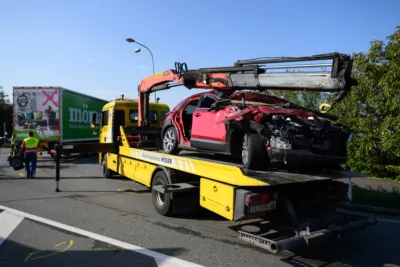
(263, 207)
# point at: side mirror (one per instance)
(94, 119)
(324, 107)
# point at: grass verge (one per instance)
(386, 179)
(378, 197)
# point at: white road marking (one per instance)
(161, 259)
(8, 223)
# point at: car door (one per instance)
(105, 125)
(119, 120)
(206, 133)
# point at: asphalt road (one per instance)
(101, 206)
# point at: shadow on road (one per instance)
(200, 214)
(68, 253)
(353, 250)
(356, 249)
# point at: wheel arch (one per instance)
(168, 123)
(237, 129)
(243, 126)
(167, 174)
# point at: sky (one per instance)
(81, 45)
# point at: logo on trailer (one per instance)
(22, 100)
(82, 115)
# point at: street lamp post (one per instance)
(130, 40)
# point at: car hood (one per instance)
(269, 110)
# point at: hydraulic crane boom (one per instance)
(252, 75)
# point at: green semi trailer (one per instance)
(55, 115)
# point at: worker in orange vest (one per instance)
(29, 147)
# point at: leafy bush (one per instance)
(372, 109)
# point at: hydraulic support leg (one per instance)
(57, 167)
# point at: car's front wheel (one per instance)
(170, 141)
(254, 155)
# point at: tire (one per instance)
(107, 173)
(170, 141)
(254, 155)
(161, 202)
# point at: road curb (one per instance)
(370, 209)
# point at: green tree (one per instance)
(6, 113)
(4, 101)
(373, 109)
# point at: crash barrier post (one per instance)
(349, 192)
(57, 166)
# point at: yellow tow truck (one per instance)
(298, 208)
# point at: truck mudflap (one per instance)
(291, 238)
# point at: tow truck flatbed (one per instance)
(272, 177)
(299, 207)
(206, 164)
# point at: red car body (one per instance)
(260, 129)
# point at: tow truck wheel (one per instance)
(170, 141)
(254, 156)
(161, 201)
(107, 173)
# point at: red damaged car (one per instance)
(262, 130)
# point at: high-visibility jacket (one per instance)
(30, 144)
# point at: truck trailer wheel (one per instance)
(161, 201)
(107, 173)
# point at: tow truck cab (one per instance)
(124, 112)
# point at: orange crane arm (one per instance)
(252, 75)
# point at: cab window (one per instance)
(104, 118)
(134, 116)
